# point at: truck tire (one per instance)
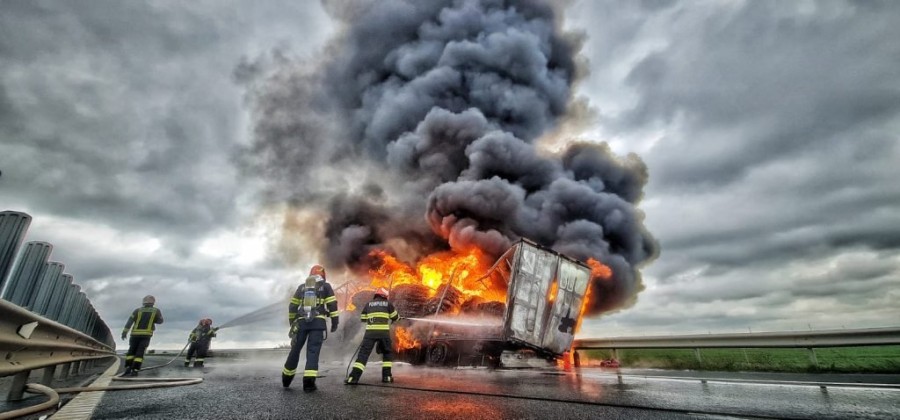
(440, 353)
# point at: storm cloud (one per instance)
(444, 102)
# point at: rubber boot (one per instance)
(198, 364)
(309, 383)
(386, 376)
(134, 372)
(127, 371)
(353, 379)
(187, 364)
(286, 380)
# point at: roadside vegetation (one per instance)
(879, 359)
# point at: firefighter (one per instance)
(142, 323)
(200, 337)
(312, 303)
(378, 316)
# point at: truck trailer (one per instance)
(545, 295)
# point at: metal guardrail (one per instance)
(41, 286)
(45, 319)
(785, 339)
(29, 341)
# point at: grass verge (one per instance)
(876, 359)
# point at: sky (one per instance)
(769, 131)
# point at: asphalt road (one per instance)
(241, 385)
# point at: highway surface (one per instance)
(246, 384)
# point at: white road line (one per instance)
(82, 406)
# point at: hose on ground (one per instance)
(36, 389)
(53, 394)
(352, 358)
(170, 361)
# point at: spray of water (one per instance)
(455, 322)
(265, 313)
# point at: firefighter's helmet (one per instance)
(206, 321)
(317, 270)
(149, 300)
(382, 292)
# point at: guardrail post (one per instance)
(697, 352)
(28, 271)
(43, 287)
(17, 389)
(13, 226)
(47, 377)
(60, 298)
(64, 372)
(812, 356)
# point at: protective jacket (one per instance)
(311, 315)
(143, 321)
(378, 315)
(202, 334)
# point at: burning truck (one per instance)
(532, 298)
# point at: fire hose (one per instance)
(53, 394)
(170, 361)
(352, 358)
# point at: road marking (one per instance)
(83, 405)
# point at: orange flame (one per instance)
(465, 268)
(599, 272)
(404, 339)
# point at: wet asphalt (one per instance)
(246, 385)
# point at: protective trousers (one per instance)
(313, 340)
(198, 348)
(137, 345)
(370, 340)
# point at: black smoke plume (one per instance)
(415, 131)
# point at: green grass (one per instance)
(878, 359)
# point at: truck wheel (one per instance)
(439, 354)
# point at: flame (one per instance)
(465, 271)
(599, 272)
(554, 289)
(463, 268)
(350, 307)
(404, 339)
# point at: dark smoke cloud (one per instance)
(415, 130)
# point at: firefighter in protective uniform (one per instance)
(142, 323)
(378, 316)
(200, 338)
(311, 305)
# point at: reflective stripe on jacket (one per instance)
(378, 315)
(143, 320)
(326, 305)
